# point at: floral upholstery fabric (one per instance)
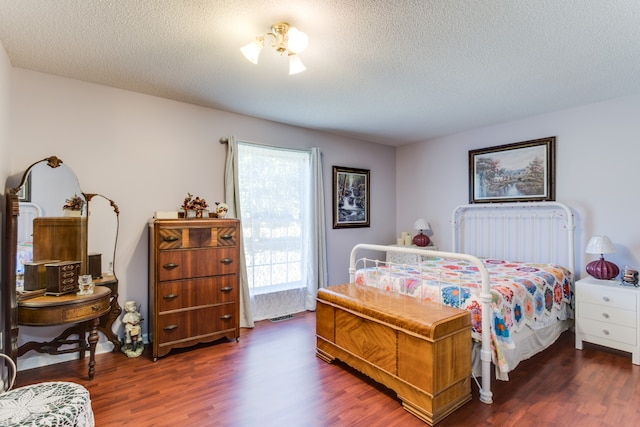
(46, 404)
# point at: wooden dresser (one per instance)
(193, 282)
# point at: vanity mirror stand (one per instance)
(49, 222)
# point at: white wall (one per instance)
(146, 153)
(5, 94)
(597, 148)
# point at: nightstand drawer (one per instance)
(607, 331)
(606, 295)
(603, 313)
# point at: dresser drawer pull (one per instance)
(226, 236)
(226, 261)
(170, 238)
(605, 299)
(226, 289)
(68, 274)
(170, 266)
(170, 296)
(605, 315)
(68, 281)
(226, 316)
(606, 332)
(170, 327)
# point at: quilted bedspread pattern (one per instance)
(534, 295)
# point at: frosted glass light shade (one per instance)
(298, 41)
(295, 65)
(600, 245)
(252, 50)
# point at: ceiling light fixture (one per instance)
(286, 40)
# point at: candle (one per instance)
(401, 242)
(407, 240)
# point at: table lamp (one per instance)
(601, 269)
(421, 239)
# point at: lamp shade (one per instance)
(600, 245)
(422, 225)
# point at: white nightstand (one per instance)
(607, 314)
(400, 258)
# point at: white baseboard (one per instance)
(33, 359)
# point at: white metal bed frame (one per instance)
(531, 231)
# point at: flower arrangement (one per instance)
(76, 203)
(194, 203)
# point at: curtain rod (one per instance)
(225, 140)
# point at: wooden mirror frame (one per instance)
(9, 300)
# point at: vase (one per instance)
(190, 213)
(71, 212)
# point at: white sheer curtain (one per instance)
(232, 199)
(282, 217)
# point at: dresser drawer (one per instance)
(607, 296)
(606, 314)
(175, 326)
(176, 295)
(185, 264)
(196, 237)
(621, 334)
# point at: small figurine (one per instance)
(133, 345)
(221, 209)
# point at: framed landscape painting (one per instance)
(518, 172)
(351, 191)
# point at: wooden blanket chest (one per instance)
(420, 350)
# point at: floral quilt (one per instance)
(535, 295)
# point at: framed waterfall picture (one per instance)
(351, 190)
(518, 172)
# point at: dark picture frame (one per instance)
(519, 172)
(351, 197)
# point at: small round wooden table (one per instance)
(83, 310)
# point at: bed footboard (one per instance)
(486, 395)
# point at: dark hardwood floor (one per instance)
(272, 378)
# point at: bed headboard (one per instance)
(525, 231)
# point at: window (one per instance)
(275, 205)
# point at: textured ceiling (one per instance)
(393, 72)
